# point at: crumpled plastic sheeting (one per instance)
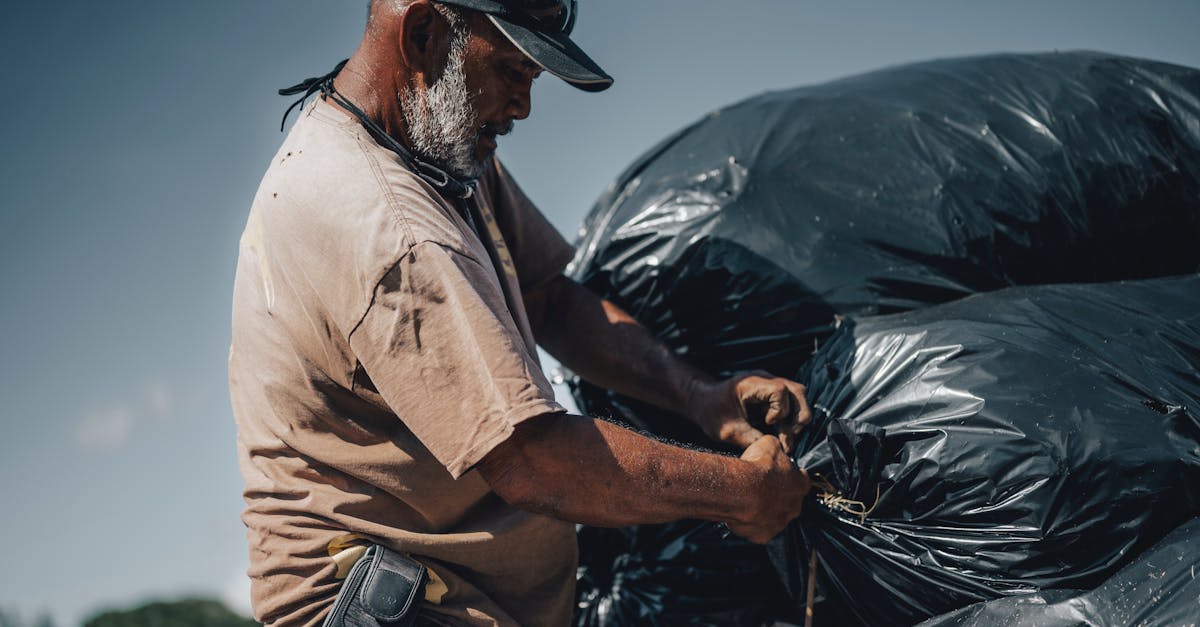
(1026, 439)
(740, 239)
(683, 573)
(1159, 589)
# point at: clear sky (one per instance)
(133, 137)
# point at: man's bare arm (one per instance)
(592, 472)
(607, 346)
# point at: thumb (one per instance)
(739, 433)
(762, 448)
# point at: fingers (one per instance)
(779, 404)
(739, 433)
(805, 483)
(802, 413)
(784, 402)
(788, 440)
(760, 448)
(798, 418)
(747, 402)
(781, 399)
(778, 492)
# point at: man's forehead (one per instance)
(498, 46)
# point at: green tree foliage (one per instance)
(183, 613)
(12, 619)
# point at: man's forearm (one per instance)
(592, 472)
(606, 346)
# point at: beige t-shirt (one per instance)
(374, 362)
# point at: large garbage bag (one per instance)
(682, 573)
(1159, 589)
(1027, 439)
(743, 239)
(740, 239)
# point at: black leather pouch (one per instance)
(384, 588)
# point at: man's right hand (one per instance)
(779, 492)
(596, 473)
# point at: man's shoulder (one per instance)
(330, 165)
(333, 180)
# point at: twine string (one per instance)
(831, 497)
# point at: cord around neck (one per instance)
(428, 170)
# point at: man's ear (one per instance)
(424, 40)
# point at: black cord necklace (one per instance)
(431, 173)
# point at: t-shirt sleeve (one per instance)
(441, 347)
(539, 251)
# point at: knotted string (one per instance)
(831, 497)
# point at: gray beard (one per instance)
(443, 124)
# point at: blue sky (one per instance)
(134, 135)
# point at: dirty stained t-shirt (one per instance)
(374, 362)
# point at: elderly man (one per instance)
(402, 450)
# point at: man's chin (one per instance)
(469, 172)
(464, 169)
(485, 148)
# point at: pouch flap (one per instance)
(393, 586)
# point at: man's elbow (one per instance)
(508, 477)
(511, 469)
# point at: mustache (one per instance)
(496, 130)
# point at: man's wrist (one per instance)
(695, 392)
(746, 488)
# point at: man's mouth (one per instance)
(498, 129)
(489, 132)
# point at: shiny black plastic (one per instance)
(740, 239)
(1159, 589)
(682, 573)
(1032, 438)
(744, 239)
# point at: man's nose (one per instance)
(519, 105)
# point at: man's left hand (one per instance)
(729, 410)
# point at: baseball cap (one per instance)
(541, 30)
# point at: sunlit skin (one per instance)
(572, 467)
(499, 78)
(414, 48)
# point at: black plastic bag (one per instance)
(740, 239)
(682, 573)
(743, 239)
(1159, 589)
(1027, 439)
